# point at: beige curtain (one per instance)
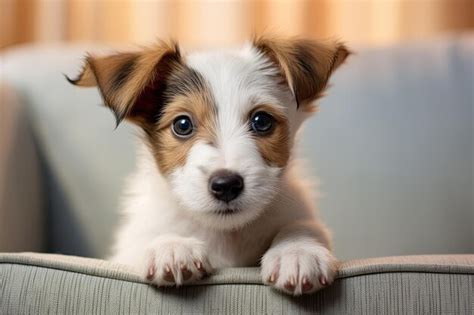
(227, 22)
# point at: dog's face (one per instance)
(220, 125)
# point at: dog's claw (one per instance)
(168, 276)
(272, 278)
(289, 287)
(290, 284)
(199, 266)
(187, 274)
(306, 285)
(323, 281)
(292, 281)
(151, 272)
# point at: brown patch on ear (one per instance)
(306, 65)
(274, 147)
(170, 151)
(131, 83)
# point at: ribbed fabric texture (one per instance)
(54, 284)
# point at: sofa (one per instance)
(392, 145)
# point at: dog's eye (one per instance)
(183, 126)
(262, 122)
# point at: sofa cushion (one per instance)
(43, 283)
(22, 220)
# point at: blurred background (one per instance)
(206, 23)
(393, 143)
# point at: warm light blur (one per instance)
(226, 22)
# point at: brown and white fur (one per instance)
(175, 230)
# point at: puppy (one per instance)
(216, 183)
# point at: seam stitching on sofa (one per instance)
(233, 283)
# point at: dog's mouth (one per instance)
(226, 211)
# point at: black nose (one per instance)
(226, 185)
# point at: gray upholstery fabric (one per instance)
(44, 284)
(22, 220)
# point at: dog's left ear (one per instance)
(131, 83)
(305, 65)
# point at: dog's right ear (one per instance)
(131, 84)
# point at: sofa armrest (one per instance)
(45, 283)
(21, 206)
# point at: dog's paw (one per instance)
(299, 267)
(174, 260)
